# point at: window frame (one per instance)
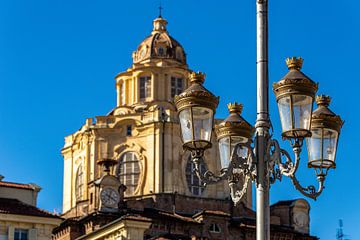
(21, 231)
(122, 94)
(214, 228)
(145, 90)
(175, 89)
(134, 174)
(79, 183)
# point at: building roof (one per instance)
(288, 203)
(16, 185)
(14, 206)
(159, 214)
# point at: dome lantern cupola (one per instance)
(159, 46)
(159, 25)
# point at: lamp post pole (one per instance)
(262, 122)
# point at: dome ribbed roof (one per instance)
(159, 45)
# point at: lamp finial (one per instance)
(294, 63)
(235, 107)
(197, 77)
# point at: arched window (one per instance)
(128, 171)
(195, 185)
(79, 183)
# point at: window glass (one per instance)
(195, 185)
(128, 130)
(161, 51)
(128, 171)
(20, 234)
(145, 87)
(214, 228)
(79, 183)
(176, 86)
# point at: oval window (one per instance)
(128, 171)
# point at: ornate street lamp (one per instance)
(265, 162)
(295, 94)
(196, 107)
(232, 131)
(325, 129)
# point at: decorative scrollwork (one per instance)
(238, 193)
(208, 177)
(277, 167)
(240, 170)
(310, 191)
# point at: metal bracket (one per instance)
(288, 168)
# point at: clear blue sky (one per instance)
(58, 60)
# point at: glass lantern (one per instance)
(196, 107)
(295, 94)
(233, 130)
(325, 128)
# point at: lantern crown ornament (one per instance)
(196, 94)
(197, 77)
(294, 63)
(295, 94)
(235, 107)
(295, 81)
(234, 124)
(323, 116)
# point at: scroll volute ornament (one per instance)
(295, 94)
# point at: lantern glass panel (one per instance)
(226, 146)
(302, 107)
(322, 147)
(186, 125)
(295, 112)
(203, 124)
(285, 113)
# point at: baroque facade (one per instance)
(126, 175)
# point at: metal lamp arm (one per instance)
(245, 166)
(238, 193)
(309, 191)
(275, 154)
(289, 168)
(208, 177)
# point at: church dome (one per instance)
(159, 45)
